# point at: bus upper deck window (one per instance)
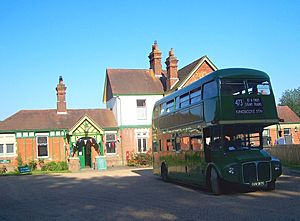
(232, 87)
(210, 90)
(263, 88)
(170, 106)
(184, 100)
(258, 87)
(195, 95)
(163, 108)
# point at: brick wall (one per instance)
(28, 150)
(203, 70)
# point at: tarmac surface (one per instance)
(136, 194)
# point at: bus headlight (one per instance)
(231, 170)
(277, 166)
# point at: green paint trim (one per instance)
(7, 131)
(111, 128)
(84, 135)
(135, 126)
(37, 130)
(136, 94)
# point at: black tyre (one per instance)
(215, 182)
(164, 172)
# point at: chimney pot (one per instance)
(172, 72)
(61, 97)
(155, 59)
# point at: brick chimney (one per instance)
(61, 97)
(172, 72)
(155, 59)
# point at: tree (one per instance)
(291, 98)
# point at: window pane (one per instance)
(232, 87)
(210, 90)
(42, 140)
(170, 106)
(42, 146)
(139, 145)
(110, 137)
(196, 143)
(184, 104)
(286, 131)
(184, 97)
(144, 145)
(141, 103)
(258, 87)
(195, 93)
(9, 148)
(110, 147)
(42, 151)
(1, 148)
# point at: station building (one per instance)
(122, 128)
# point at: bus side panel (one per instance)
(196, 113)
(195, 162)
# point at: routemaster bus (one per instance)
(210, 132)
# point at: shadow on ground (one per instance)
(136, 196)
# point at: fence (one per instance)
(287, 153)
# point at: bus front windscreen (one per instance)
(242, 141)
(241, 138)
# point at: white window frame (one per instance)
(289, 130)
(142, 134)
(37, 146)
(115, 140)
(6, 139)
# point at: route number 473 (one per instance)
(239, 103)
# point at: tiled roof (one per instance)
(49, 119)
(286, 113)
(133, 81)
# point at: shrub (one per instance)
(140, 159)
(55, 166)
(41, 163)
(3, 169)
(32, 165)
(20, 161)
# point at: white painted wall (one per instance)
(125, 109)
(113, 105)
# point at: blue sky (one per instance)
(41, 40)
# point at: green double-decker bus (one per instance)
(210, 132)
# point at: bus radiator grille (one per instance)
(256, 172)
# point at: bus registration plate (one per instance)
(257, 184)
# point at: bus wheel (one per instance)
(271, 185)
(215, 183)
(164, 172)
